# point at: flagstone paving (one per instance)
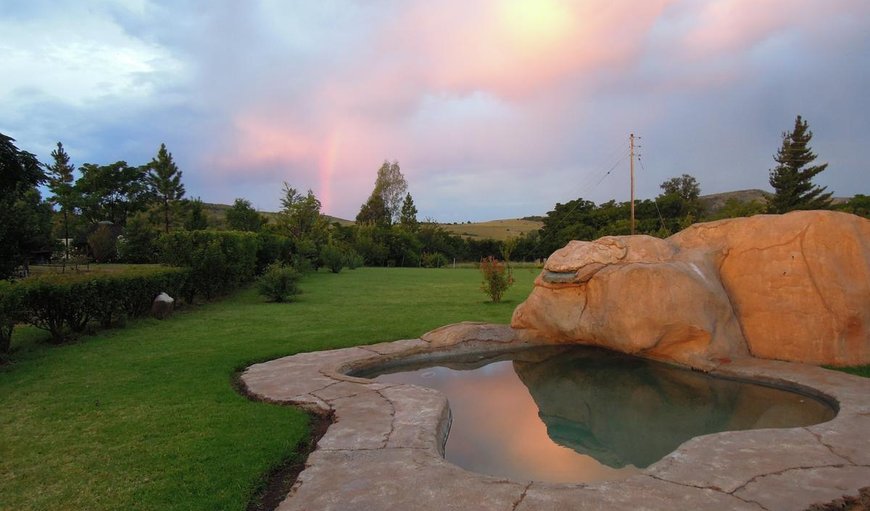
(385, 449)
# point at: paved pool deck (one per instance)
(384, 450)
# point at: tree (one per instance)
(685, 186)
(196, 219)
(243, 217)
(164, 181)
(60, 182)
(139, 241)
(792, 178)
(408, 219)
(25, 220)
(391, 187)
(111, 192)
(374, 212)
(300, 219)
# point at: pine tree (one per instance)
(164, 180)
(792, 178)
(408, 219)
(60, 182)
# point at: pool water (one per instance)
(581, 414)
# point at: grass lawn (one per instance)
(145, 417)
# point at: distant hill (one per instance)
(715, 201)
(217, 214)
(494, 229)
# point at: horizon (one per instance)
(497, 109)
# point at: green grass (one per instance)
(857, 370)
(145, 417)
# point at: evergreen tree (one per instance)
(408, 219)
(164, 181)
(792, 177)
(60, 182)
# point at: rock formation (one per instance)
(790, 287)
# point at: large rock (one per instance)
(791, 287)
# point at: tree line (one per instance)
(117, 212)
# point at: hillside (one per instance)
(216, 214)
(715, 201)
(494, 229)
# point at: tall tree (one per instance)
(60, 182)
(111, 192)
(408, 219)
(792, 178)
(164, 181)
(25, 220)
(243, 217)
(390, 187)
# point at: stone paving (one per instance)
(385, 449)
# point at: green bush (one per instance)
(271, 248)
(65, 303)
(434, 260)
(10, 312)
(497, 278)
(353, 259)
(279, 283)
(333, 257)
(218, 261)
(102, 244)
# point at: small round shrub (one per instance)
(279, 283)
(434, 260)
(332, 256)
(353, 259)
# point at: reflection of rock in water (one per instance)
(629, 411)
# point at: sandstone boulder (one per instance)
(791, 287)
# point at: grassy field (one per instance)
(146, 418)
(494, 229)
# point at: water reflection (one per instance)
(572, 414)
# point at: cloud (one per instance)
(504, 106)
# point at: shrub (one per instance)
(102, 244)
(139, 241)
(219, 261)
(10, 312)
(353, 259)
(333, 257)
(65, 303)
(434, 260)
(497, 278)
(271, 248)
(279, 283)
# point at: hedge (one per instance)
(67, 303)
(219, 261)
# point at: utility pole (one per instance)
(631, 147)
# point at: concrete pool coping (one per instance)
(385, 447)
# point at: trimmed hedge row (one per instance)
(205, 263)
(67, 303)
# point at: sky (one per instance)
(493, 108)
